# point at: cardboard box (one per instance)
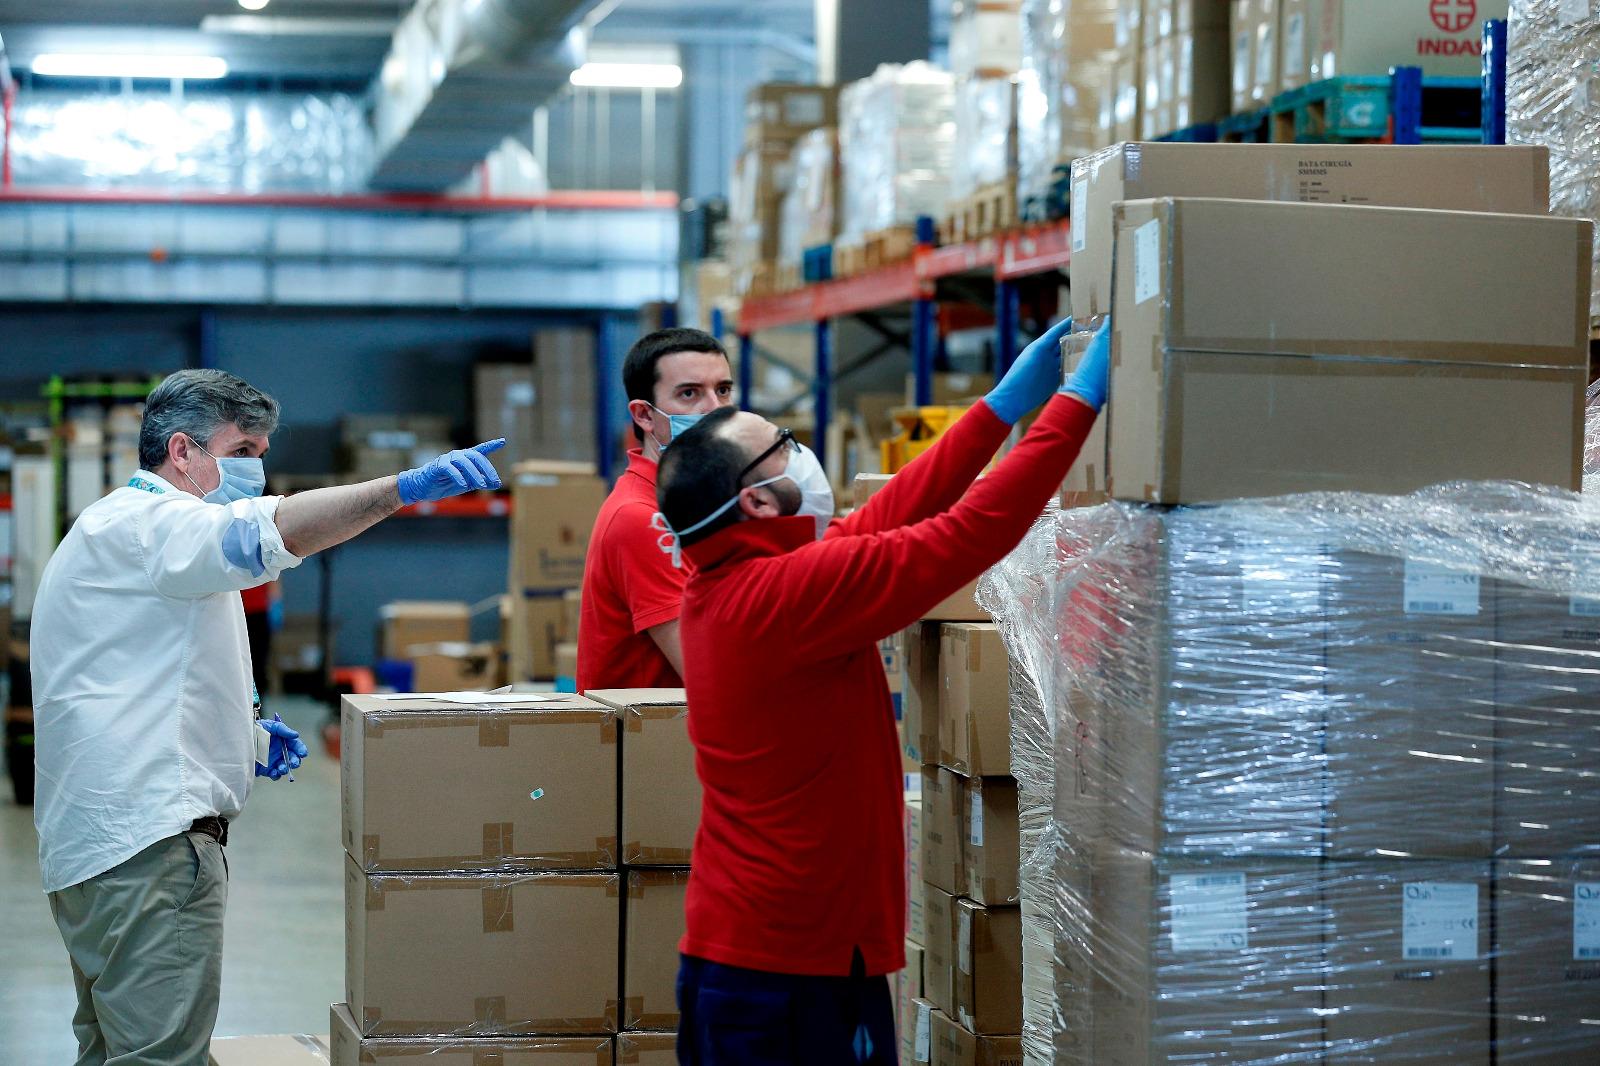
(908, 990)
(1547, 723)
(571, 614)
(955, 1046)
(959, 606)
(974, 700)
(942, 801)
(1337, 38)
(564, 361)
(780, 113)
(504, 404)
(298, 1050)
(938, 954)
(647, 1049)
(553, 509)
(1547, 960)
(410, 622)
(455, 667)
(919, 702)
(1206, 960)
(1409, 682)
(481, 954)
(992, 853)
(918, 1034)
(525, 788)
(916, 898)
(660, 789)
(1510, 180)
(350, 1048)
(1457, 375)
(533, 632)
(653, 921)
(988, 975)
(1407, 961)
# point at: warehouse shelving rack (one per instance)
(1011, 260)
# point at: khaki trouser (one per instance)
(145, 939)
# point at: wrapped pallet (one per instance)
(896, 145)
(1068, 59)
(1552, 96)
(985, 134)
(810, 214)
(755, 203)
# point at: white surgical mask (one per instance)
(242, 478)
(804, 469)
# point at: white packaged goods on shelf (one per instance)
(1068, 56)
(810, 206)
(1553, 98)
(985, 38)
(896, 146)
(986, 144)
(1320, 772)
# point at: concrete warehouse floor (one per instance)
(283, 960)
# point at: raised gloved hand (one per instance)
(1032, 378)
(452, 473)
(284, 749)
(1091, 380)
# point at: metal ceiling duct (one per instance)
(460, 76)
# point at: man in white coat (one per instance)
(148, 727)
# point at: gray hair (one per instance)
(198, 403)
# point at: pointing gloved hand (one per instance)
(285, 749)
(1091, 380)
(451, 474)
(1032, 379)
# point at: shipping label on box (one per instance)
(942, 853)
(530, 787)
(1547, 959)
(350, 1048)
(481, 954)
(988, 975)
(660, 789)
(916, 899)
(975, 700)
(991, 843)
(655, 924)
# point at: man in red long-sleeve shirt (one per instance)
(795, 907)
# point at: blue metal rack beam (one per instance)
(1405, 109)
(1007, 310)
(747, 368)
(1494, 81)
(823, 390)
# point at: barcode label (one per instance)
(964, 942)
(1209, 913)
(1586, 920)
(1440, 920)
(975, 817)
(1080, 214)
(920, 1052)
(1431, 589)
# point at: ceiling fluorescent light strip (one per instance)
(164, 68)
(628, 76)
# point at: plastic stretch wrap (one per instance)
(1324, 772)
(225, 142)
(986, 143)
(810, 206)
(1068, 54)
(1553, 98)
(1591, 441)
(896, 147)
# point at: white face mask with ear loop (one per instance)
(804, 469)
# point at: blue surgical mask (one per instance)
(243, 478)
(677, 425)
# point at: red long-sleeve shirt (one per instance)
(799, 858)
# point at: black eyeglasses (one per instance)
(785, 440)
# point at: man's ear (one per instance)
(639, 411)
(179, 447)
(758, 502)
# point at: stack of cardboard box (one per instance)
(375, 446)
(1184, 65)
(777, 116)
(434, 637)
(554, 505)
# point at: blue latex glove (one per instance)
(451, 474)
(1093, 377)
(284, 751)
(1032, 379)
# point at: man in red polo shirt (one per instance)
(795, 908)
(628, 625)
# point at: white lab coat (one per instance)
(141, 673)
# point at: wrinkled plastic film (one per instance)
(1591, 440)
(985, 127)
(810, 204)
(1553, 99)
(1323, 776)
(896, 144)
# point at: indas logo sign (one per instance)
(1453, 16)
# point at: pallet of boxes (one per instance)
(514, 877)
(1316, 760)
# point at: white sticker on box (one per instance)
(1440, 920)
(964, 941)
(1079, 222)
(920, 1051)
(1209, 913)
(1586, 920)
(1147, 261)
(1574, 12)
(1432, 589)
(975, 818)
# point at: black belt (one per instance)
(212, 826)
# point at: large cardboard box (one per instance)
(1339, 38)
(533, 634)
(955, 1046)
(647, 1049)
(454, 667)
(1547, 960)
(287, 1050)
(481, 954)
(1547, 723)
(988, 977)
(919, 702)
(504, 404)
(410, 622)
(1511, 180)
(938, 954)
(554, 505)
(1459, 374)
(530, 787)
(991, 846)
(660, 789)
(350, 1048)
(974, 700)
(959, 606)
(653, 920)
(1407, 961)
(942, 855)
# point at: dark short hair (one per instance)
(639, 376)
(698, 474)
(197, 403)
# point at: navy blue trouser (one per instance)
(735, 1017)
